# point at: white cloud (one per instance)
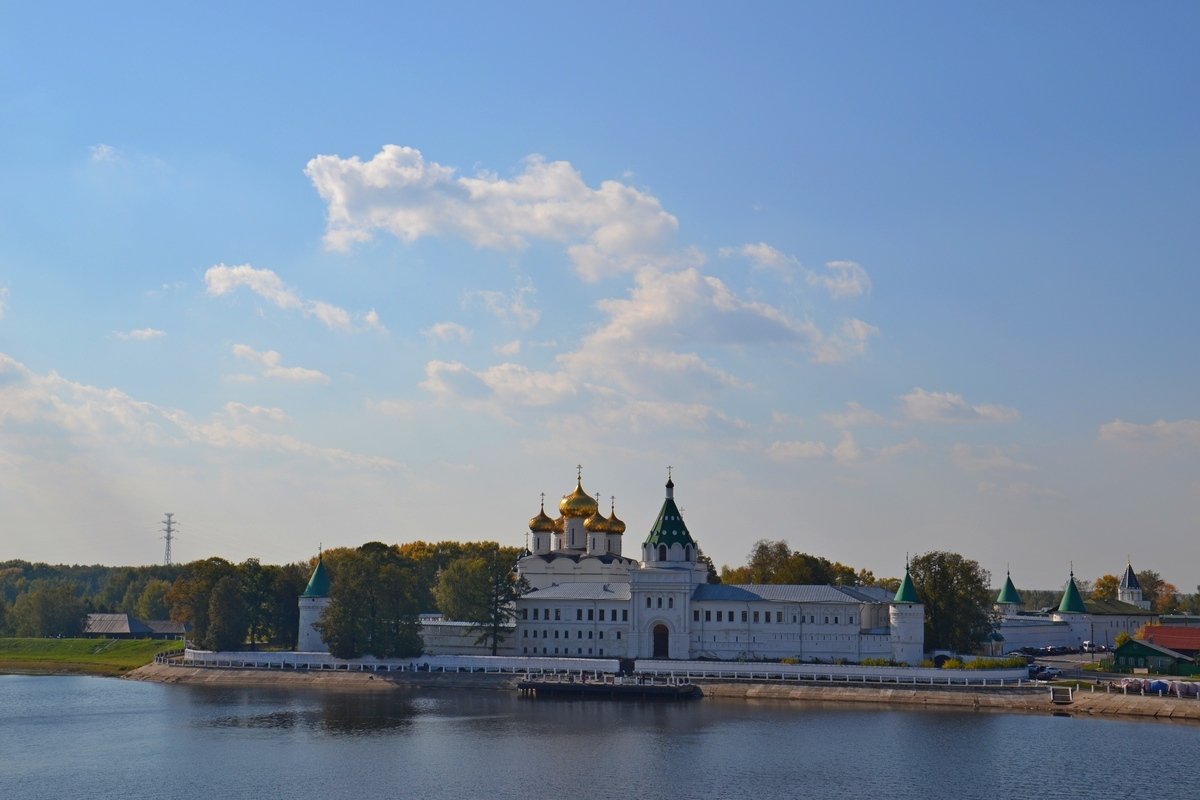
(894, 450)
(606, 230)
(945, 407)
(508, 349)
(855, 416)
(797, 450)
(511, 307)
(222, 279)
(3, 300)
(977, 459)
(504, 383)
(56, 411)
(102, 152)
(843, 279)
(847, 449)
(763, 256)
(270, 365)
(850, 341)
(140, 335)
(1162, 432)
(448, 332)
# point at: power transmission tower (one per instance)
(169, 528)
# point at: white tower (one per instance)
(906, 619)
(313, 603)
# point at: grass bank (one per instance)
(80, 656)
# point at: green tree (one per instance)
(152, 602)
(1105, 588)
(287, 584)
(227, 615)
(191, 594)
(483, 590)
(48, 609)
(372, 608)
(957, 598)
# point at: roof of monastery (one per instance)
(669, 528)
(907, 593)
(580, 591)
(1116, 607)
(1129, 579)
(318, 584)
(1009, 594)
(1072, 601)
(577, 556)
(788, 593)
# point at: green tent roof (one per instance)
(907, 593)
(1072, 602)
(1009, 594)
(669, 528)
(318, 584)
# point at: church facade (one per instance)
(589, 599)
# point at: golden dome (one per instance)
(578, 503)
(541, 523)
(615, 525)
(597, 522)
(560, 524)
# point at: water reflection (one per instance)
(345, 713)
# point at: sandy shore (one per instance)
(1024, 699)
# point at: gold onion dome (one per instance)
(615, 525)
(560, 524)
(541, 523)
(597, 522)
(578, 503)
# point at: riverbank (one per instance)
(1008, 699)
(108, 657)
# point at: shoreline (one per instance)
(1011, 700)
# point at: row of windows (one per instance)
(566, 651)
(722, 616)
(565, 634)
(591, 614)
(670, 601)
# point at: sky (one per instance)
(874, 279)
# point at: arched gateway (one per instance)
(661, 641)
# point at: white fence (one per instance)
(837, 673)
(675, 670)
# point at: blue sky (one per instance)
(873, 279)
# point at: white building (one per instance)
(589, 599)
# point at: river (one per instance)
(83, 737)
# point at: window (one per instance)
(525, 634)
(591, 613)
(835, 620)
(578, 634)
(625, 615)
(756, 616)
(687, 552)
(660, 601)
(535, 613)
(602, 615)
(720, 616)
(535, 634)
(589, 634)
(601, 636)
(579, 614)
(556, 634)
(826, 620)
(743, 616)
(707, 615)
(767, 617)
(557, 614)
(662, 552)
(695, 615)
(647, 601)
(524, 613)
(618, 634)
(779, 617)
(601, 651)
(670, 602)
(851, 619)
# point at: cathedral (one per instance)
(588, 598)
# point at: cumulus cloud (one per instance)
(508, 349)
(448, 332)
(855, 415)
(140, 334)
(978, 459)
(270, 364)
(3, 300)
(222, 279)
(945, 407)
(52, 408)
(1159, 432)
(102, 152)
(763, 256)
(606, 230)
(511, 307)
(795, 450)
(842, 279)
(850, 340)
(506, 383)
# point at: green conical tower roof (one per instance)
(318, 584)
(1009, 594)
(669, 528)
(907, 593)
(1072, 602)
